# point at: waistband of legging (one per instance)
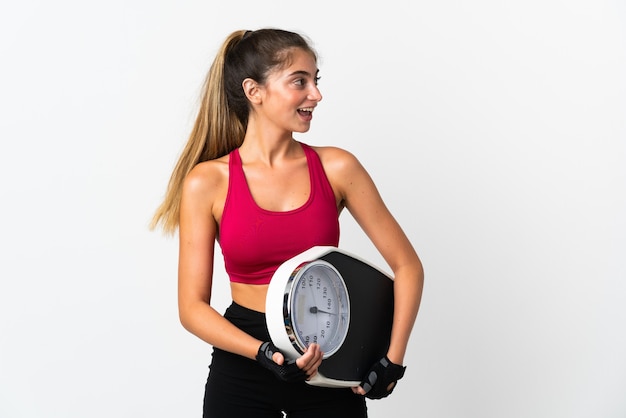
(236, 308)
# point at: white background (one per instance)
(495, 131)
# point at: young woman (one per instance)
(244, 181)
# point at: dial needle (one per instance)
(313, 309)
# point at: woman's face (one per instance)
(290, 94)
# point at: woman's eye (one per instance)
(301, 82)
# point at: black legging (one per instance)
(239, 387)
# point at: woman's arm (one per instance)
(359, 195)
(197, 232)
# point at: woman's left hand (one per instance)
(381, 379)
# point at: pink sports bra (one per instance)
(255, 241)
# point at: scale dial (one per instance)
(317, 308)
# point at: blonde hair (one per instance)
(220, 125)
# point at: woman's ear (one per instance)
(251, 90)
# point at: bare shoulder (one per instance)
(337, 160)
(207, 178)
(345, 173)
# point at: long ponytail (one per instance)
(215, 133)
(220, 125)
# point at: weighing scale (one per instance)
(331, 297)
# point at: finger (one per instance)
(358, 390)
(313, 349)
(317, 354)
(278, 358)
(308, 365)
(308, 358)
(315, 360)
(311, 373)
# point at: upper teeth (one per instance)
(306, 109)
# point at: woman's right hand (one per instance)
(310, 360)
(303, 368)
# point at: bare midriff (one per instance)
(251, 296)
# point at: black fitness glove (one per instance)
(381, 375)
(288, 371)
